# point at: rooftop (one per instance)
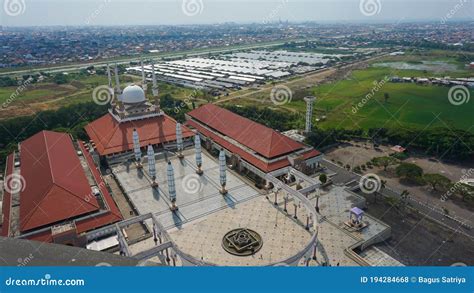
(257, 137)
(111, 137)
(55, 183)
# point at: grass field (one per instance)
(47, 96)
(409, 104)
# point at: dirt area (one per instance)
(417, 241)
(358, 153)
(134, 231)
(21, 107)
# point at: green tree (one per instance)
(323, 178)
(409, 171)
(384, 162)
(437, 180)
(60, 78)
(466, 192)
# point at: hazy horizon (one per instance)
(27, 13)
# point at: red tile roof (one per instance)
(7, 200)
(261, 139)
(112, 137)
(56, 187)
(250, 158)
(111, 216)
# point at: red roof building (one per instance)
(113, 137)
(59, 184)
(258, 145)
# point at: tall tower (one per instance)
(144, 85)
(109, 78)
(118, 90)
(171, 186)
(154, 87)
(309, 113)
(222, 171)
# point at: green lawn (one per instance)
(409, 105)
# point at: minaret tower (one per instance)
(144, 84)
(118, 90)
(154, 87)
(109, 78)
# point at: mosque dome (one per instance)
(133, 94)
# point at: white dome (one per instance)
(133, 94)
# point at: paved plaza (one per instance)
(282, 235)
(197, 196)
(205, 216)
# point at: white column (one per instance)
(197, 146)
(171, 187)
(151, 165)
(179, 140)
(222, 171)
(136, 148)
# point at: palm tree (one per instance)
(383, 184)
(404, 196)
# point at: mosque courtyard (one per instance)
(204, 216)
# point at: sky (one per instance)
(175, 12)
